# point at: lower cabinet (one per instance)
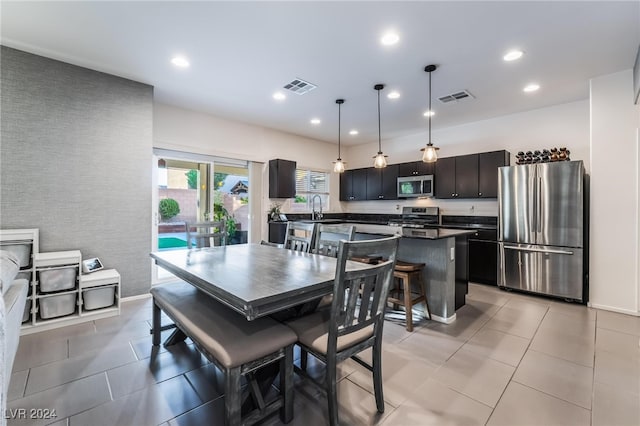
(277, 231)
(483, 261)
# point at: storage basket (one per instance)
(99, 297)
(58, 306)
(27, 311)
(21, 250)
(56, 279)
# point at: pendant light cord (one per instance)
(430, 111)
(379, 138)
(339, 115)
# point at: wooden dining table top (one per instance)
(254, 280)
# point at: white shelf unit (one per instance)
(57, 300)
(100, 292)
(25, 244)
(56, 292)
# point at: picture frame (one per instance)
(283, 217)
(91, 265)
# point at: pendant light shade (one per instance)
(380, 160)
(429, 154)
(338, 165)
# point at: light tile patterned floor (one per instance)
(509, 359)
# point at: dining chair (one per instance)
(299, 236)
(353, 323)
(328, 238)
(206, 234)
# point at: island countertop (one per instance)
(422, 233)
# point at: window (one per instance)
(308, 184)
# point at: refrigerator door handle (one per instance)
(539, 210)
(539, 250)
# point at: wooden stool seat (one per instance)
(408, 266)
(404, 272)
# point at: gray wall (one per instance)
(75, 161)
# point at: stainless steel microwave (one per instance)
(415, 186)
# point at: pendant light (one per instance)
(338, 165)
(380, 160)
(429, 154)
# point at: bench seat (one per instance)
(232, 343)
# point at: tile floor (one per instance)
(509, 359)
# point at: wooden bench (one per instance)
(236, 346)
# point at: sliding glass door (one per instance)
(191, 188)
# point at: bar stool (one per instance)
(404, 272)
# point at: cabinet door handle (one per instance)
(453, 195)
(480, 193)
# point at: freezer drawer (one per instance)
(556, 271)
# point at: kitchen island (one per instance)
(443, 251)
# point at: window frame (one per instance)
(309, 192)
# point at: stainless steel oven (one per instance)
(415, 186)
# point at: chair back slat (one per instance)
(367, 293)
(327, 241)
(348, 316)
(206, 234)
(352, 299)
(299, 236)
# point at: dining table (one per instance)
(252, 279)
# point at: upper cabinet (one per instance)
(470, 176)
(415, 168)
(488, 163)
(282, 178)
(381, 183)
(353, 185)
(465, 176)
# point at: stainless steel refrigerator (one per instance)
(541, 228)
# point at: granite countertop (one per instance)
(434, 233)
(379, 223)
(422, 233)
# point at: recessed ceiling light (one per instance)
(353, 132)
(429, 113)
(393, 95)
(389, 39)
(315, 121)
(512, 55)
(531, 87)
(180, 62)
(279, 96)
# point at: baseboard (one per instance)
(136, 297)
(614, 309)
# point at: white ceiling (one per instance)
(242, 52)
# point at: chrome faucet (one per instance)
(316, 215)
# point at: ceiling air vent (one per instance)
(456, 97)
(299, 86)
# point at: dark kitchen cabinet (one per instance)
(488, 163)
(353, 185)
(445, 178)
(277, 232)
(415, 168)
(483, 257)
(467, 176)
(381, 183)
(282, 178)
